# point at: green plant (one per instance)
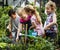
(39, 44)
(5, 40)
(58, 21)
(3, 45)
(3, 17)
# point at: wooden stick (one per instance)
(26, 33)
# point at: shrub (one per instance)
(4, 16)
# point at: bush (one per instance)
(5, 40)
(4, 16)
(39, 44)
(58, 21)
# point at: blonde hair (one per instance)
(21, 12)
(51, 4)
(29, 8)
(38, 17)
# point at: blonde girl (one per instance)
(24, 18)
(50, 23)
(35, 19)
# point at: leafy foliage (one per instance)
(5, 40)
(4, 16)
(39, 44)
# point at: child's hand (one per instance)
(30, 28)
(46, 28)
(16, 39)
(37, 28)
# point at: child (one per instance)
(35, 20)
(24, 18)
(50, 23)
(14, 24)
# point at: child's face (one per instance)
(13, 16)
(48, 10)
(24, 16)
(30, 13)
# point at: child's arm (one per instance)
(52, 23)
(9, 26)
(19, 30)
(33, 18)
(33, 26)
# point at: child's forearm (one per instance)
(19, 28)
(9, 27)
(32, 27)
(49, 25)
(18, 31)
